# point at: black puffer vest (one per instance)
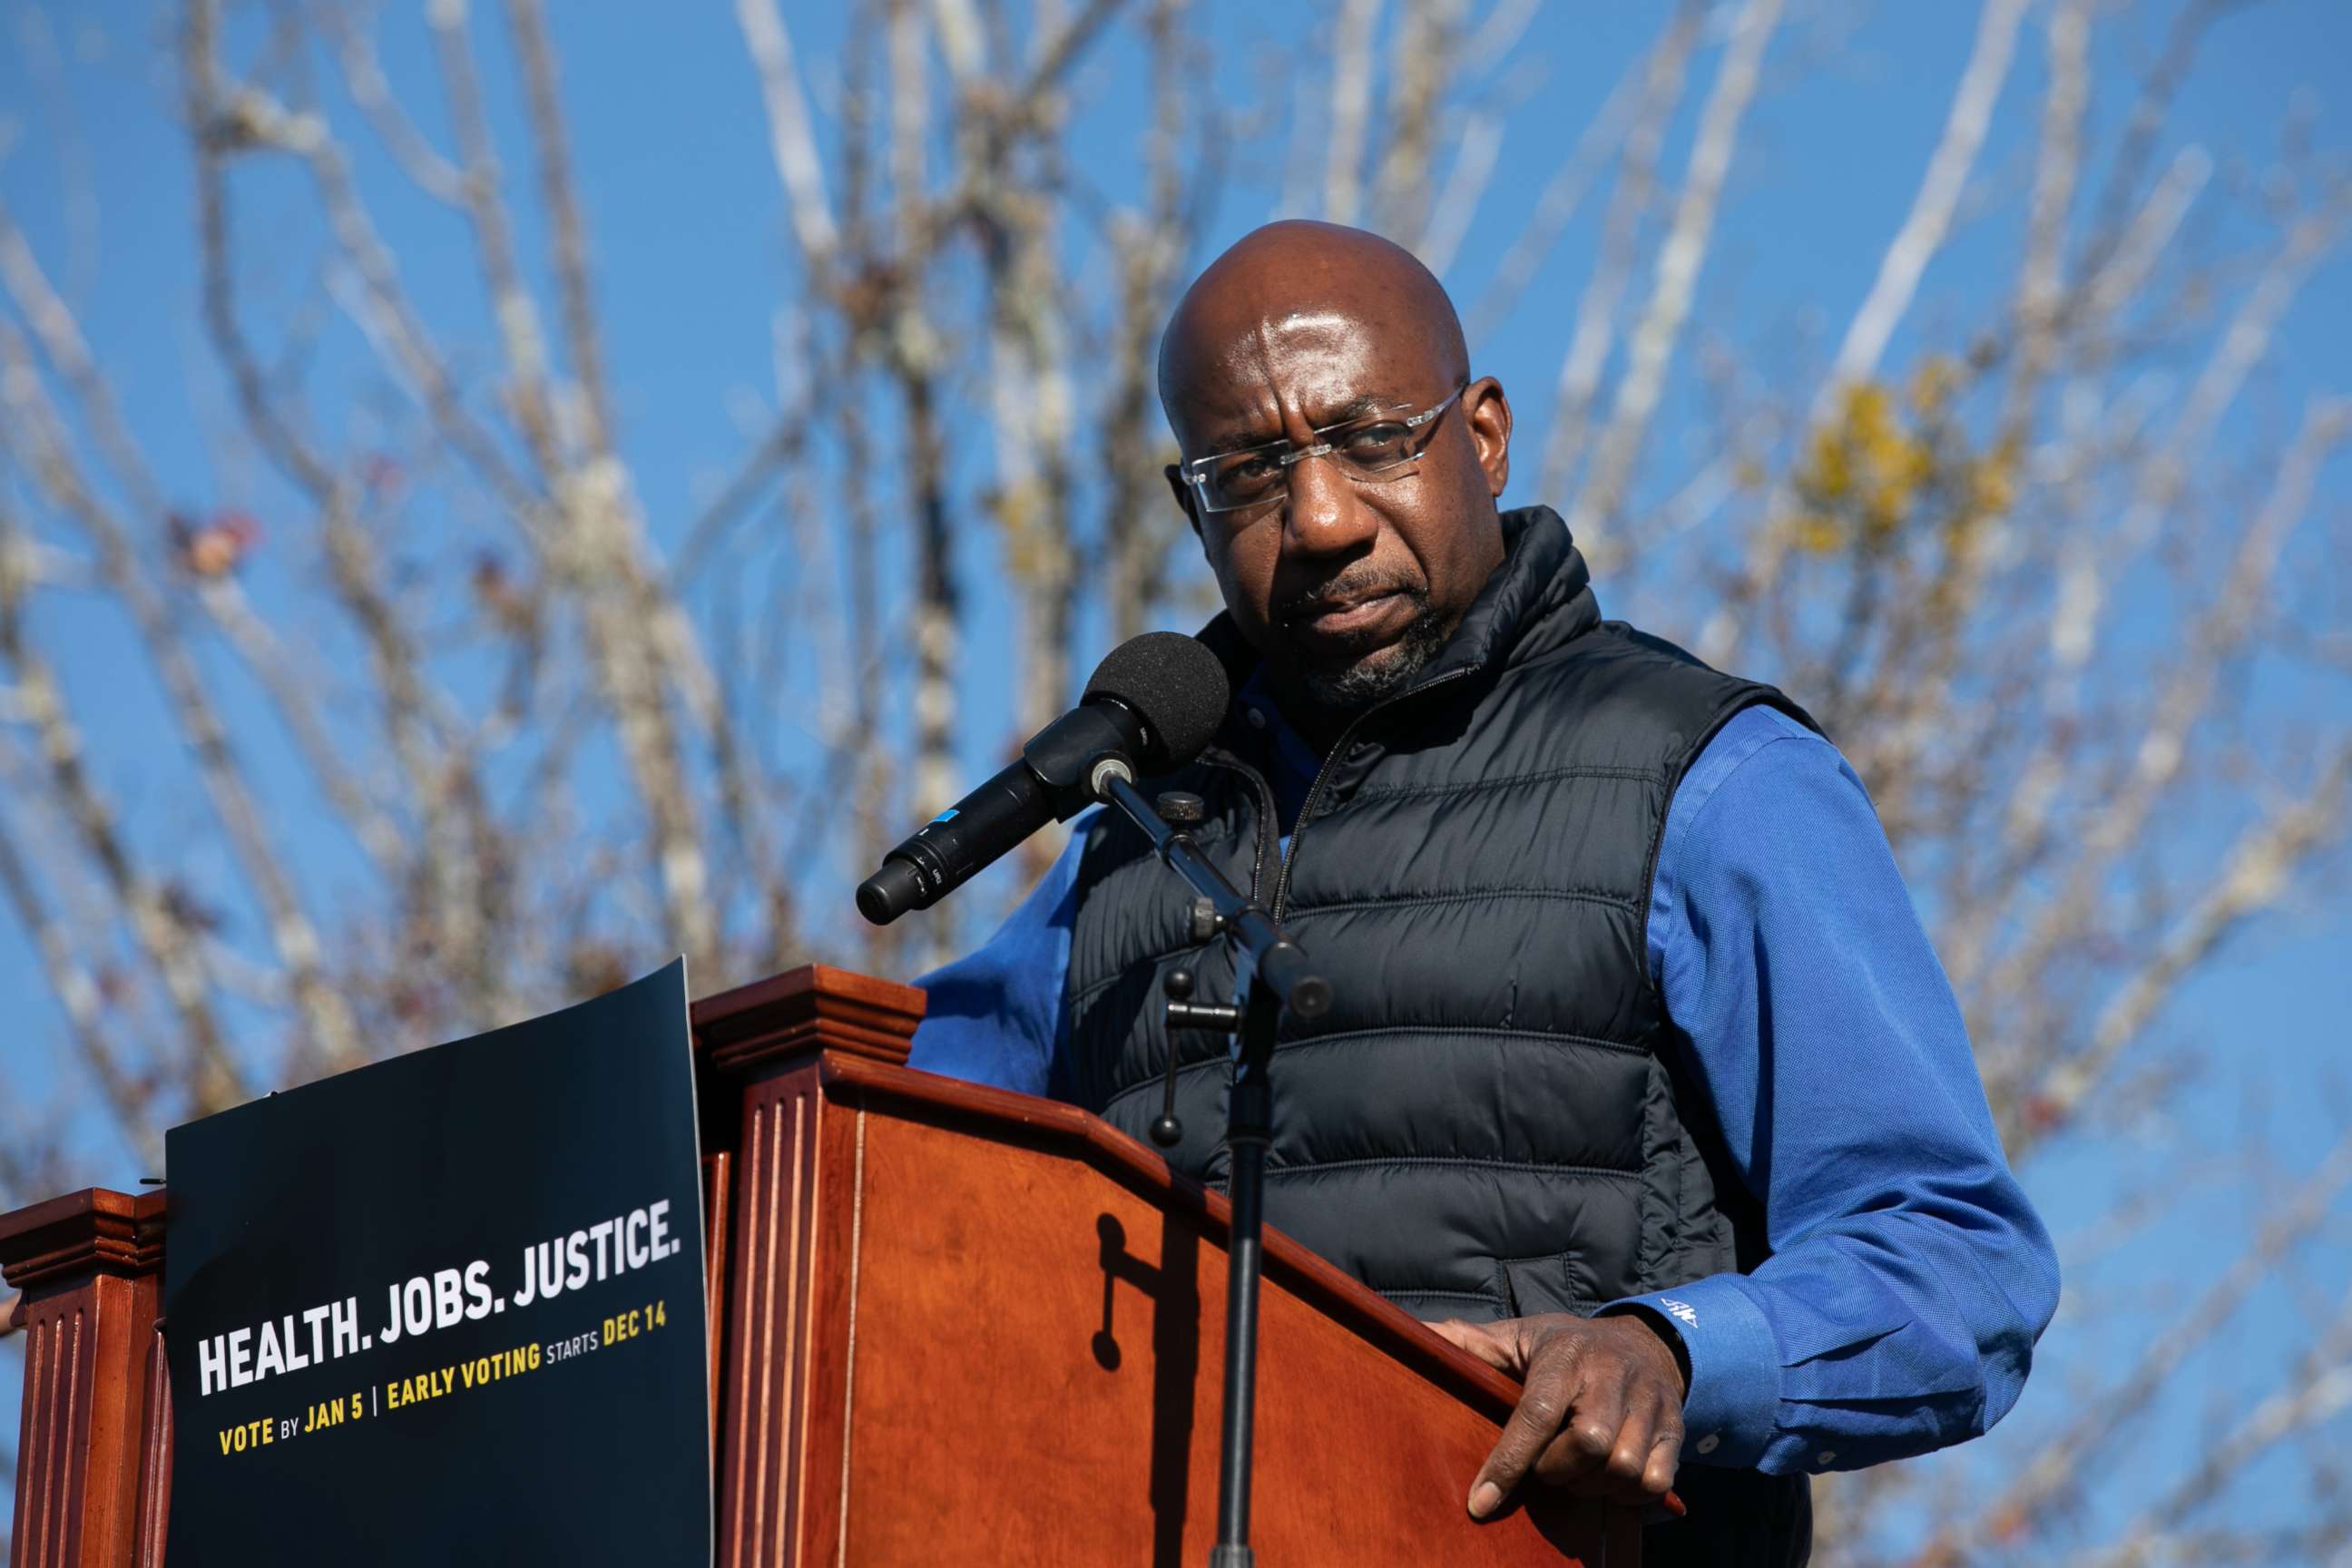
(1485, 1124)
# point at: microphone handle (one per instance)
(953, 847)
(1053, 780)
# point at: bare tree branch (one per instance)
(1666, 73)
(1674, 278)
(38, 441)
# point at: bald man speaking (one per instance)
(1641, 1082)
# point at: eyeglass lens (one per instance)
(1363, 449)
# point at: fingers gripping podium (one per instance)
(949, 1323)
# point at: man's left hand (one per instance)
(1602, 1415)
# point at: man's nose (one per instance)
(1325, 513)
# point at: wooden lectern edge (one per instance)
(820, 979)
(94, 1231)
(1086, 1136)
(773, 1024)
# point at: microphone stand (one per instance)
(1279, 978)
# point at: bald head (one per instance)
(1348, 577)
(1297, 270)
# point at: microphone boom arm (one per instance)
(1265, 949)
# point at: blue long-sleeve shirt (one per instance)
(1909, 1278)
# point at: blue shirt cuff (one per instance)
(1735, 1368)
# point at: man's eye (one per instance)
(1250, 471)
(1375, 441)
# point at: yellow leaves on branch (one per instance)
(1032, 549)
(1887, 460)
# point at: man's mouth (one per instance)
(1345, 616)
(1345, 621)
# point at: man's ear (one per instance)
(1488, 413)
(1174, 475)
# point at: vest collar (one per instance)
(1538, 598)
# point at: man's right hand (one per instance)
(1601, 1413)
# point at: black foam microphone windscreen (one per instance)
(1175, 684)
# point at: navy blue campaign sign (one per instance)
(449, 1308)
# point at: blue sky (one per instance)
(692, 260)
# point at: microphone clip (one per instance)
(1078, 756)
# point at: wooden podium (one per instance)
(948, 1324)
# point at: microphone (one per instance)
(1152, 704)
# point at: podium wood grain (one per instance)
(975, 1326)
